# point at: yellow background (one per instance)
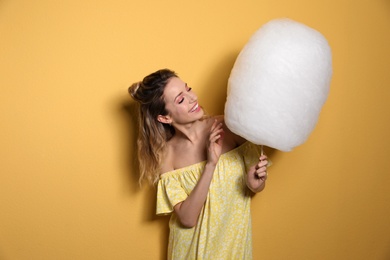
(68, 182)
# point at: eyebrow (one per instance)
(181, 93)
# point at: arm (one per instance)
(188, 210)
(257, 175)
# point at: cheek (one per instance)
(179, 114)
(169, 108)
(178, 111)
(174, 111)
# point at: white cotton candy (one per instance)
(279, 84)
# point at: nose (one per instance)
(192, 97)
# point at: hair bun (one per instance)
(133, 89)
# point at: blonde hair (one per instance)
(153, 134)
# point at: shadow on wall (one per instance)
(129, 111)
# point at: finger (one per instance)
(263, 157)
(215, 125)
(215, 133)
(263, 175)
(261, 169)
(218, 127)
(215, 138)
(262, 163)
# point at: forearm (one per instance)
(188, 211)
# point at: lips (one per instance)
(194, 108)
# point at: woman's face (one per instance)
(181, 103)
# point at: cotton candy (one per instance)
(278, 85)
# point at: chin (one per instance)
(200, 113)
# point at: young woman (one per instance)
(205, 174)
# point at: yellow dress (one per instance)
(224, 228)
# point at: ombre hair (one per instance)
(153, 134)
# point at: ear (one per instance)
(164, 119)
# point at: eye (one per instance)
(181, 100)
(189, 89)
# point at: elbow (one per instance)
(188, 223)
(187, 219)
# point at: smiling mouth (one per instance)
(194, 108)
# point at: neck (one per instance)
(191, 131)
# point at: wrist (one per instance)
(210, 167)
(256, 188)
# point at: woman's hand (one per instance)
(257, 175)
(214, 144)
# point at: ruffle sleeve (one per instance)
(169, 193)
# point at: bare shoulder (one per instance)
(167, 162)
